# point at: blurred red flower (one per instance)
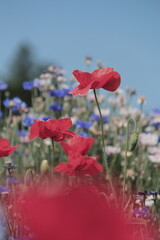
(78, 143)
(55, 129)
(5, 148)
(79, 165)
(79, 214)
(105, 78)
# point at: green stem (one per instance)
(126, 150)
(53, 155)
(103, 144)
(102, 131)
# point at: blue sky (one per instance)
(124, 34)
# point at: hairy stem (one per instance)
(126, 150)
(103, 143)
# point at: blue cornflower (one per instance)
(3, 86)
(82, 124)
(28, 121)
(156, 124)
(6, 103)
(23, 105)
(84, 134)
(12, 238)
(15, 104)
(4, 189)
(96, 117)
(62, 92)
(28, 85)
(11, 180)
(143, 193)
(46, 118)
(55, 107)
(141, 212)
(22, 133)
(153, 192)
(1, 115)
(17, 101)
(156, 111)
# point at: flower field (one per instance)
(82, 162)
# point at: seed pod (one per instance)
(44, 168)
(133, 141)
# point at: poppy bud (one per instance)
(44, 168)
(133, 141)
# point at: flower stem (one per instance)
(103, 144)
(53, 155)
(102, 131)
(126, 150)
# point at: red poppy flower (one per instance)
(52, 128)
(79, 165)
(81, 214)
(105, 78)
(5, 148)
(78, 143)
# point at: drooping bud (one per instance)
(133, 141)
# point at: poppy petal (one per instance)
(5, 148)
(81, 90)
(109, 82)
(83, 77)
(100, 72)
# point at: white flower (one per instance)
(36, 82)
(105, 112)
(47, 141)
(112, 150)
(120, 92)
(61, 79)
(141, 100)
(115, 102)
(74, 119)
(149, 129)
(154, 150)
(156, 119)
(91, 97)
(123, 153)
(154, 158)
(149, 202)
(148, 139)
(128, 111)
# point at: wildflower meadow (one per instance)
(81, 162)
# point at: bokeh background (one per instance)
(123, 34)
